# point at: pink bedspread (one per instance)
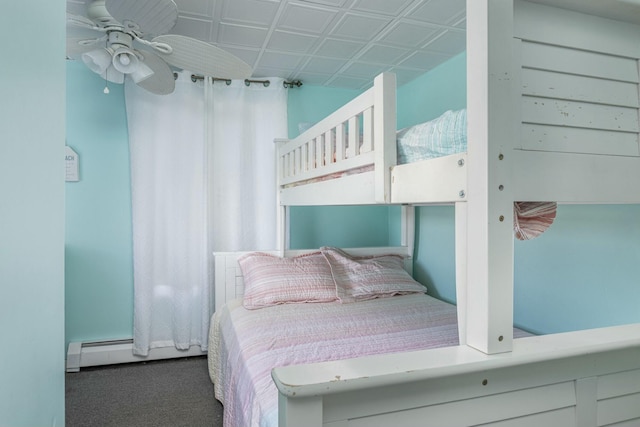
(245, 345)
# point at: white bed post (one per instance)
(461, 269)
(282, 214)
(408, 228)
(491, 132)
(384, 119)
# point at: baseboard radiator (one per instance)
(84, 354)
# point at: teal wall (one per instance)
(99, 266)
(32, 118)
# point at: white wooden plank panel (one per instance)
(578, 62)
(554, 25)
(385, 126)
(349, 190)
(564, 417)
(479, 411)
(330, 147)
(586, 402)
(461, 220)
(579, 114)
(578, 140)
(421, 182)
(575, 178)
(367, 130)
(629, 423)
(618, 384)
(618, 409)
(578, 88)
(353, 144)
(340, 142)
(300, 412)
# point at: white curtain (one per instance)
(187, 199)
(243, 122)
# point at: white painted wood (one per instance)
(579, 114)
(578, 62)
(300, 412)
(462, 301)
(73, 356)
(619, 409)
(549, 84)
(586, 395)
(408, 228)
(558, 26)
(568, 178)
(575, 140)
(619, 384)
(385, 125)
(491, 92)
(354, 189)
(422, 182)
(539, 376)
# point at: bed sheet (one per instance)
(245, 345)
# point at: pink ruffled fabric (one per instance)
(531, 219)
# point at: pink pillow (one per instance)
(363, 278)
(271, 280)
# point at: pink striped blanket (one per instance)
(245, 345)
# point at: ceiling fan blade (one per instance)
(203, 58)
(147, 16)
(162, 81)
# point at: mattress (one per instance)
(245, 345)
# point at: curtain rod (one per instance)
(247, 82)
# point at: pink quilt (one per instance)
(245, 345)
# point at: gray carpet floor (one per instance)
(173, 393)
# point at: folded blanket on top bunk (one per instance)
(446, 135)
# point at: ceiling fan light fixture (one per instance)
(97, 60)
(141, 73)
(125, 60)
(113, 75)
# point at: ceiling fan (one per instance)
(127, 38)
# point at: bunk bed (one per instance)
(553, 115)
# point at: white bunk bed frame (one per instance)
(553, 115)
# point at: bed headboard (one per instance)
(229, 285)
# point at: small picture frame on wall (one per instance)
(72, 165)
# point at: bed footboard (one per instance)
(585, 378)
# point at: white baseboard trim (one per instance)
(81, 355)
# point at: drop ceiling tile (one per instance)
(324, 65)
(314, 79)
(385, 7)
(291, 42)
(440, 11)
(342, 49)
(250, 56)
(360, 27)
(279, 60)
(380, 54)
(408, 34)
(256, 12)
(265, 72)
(241, 35)
(449, 43)
(336, 3)
(364, 70)
(300, 17)
(195, 7)
(192, 27)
